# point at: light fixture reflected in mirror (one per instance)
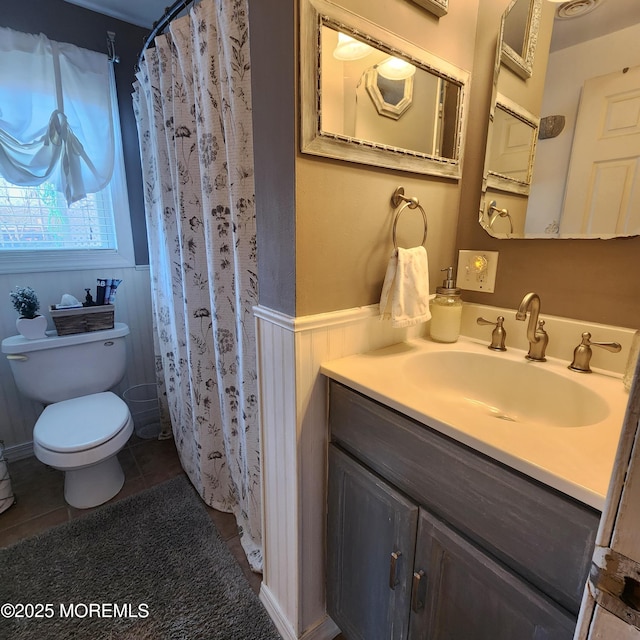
(349, 48)
(396, 69)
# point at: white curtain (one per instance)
(55, 114)
(193, 107)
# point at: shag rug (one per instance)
(149, 567)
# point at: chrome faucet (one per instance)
(536, 335)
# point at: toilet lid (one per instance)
(81, 423)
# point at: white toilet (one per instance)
(83, 425)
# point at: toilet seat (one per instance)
(82, 423)
(76, 433)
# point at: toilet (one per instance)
(83, 425)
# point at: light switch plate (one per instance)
(477, 270)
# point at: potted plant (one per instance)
(30, 323)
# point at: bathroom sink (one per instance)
(555, 425)
(523, 392)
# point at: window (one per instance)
(39, 232)
(38, 218)
(47, 225)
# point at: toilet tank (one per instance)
(57, 368)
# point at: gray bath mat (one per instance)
(149, 567)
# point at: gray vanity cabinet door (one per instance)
(466, 595)
(368, 521)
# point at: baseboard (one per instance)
(19, 451)
(276, 614)
(326, 629)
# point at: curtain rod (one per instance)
(169, 14)
(111, 47)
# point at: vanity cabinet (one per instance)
(427, 538)
(372, 536)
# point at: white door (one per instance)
(611, 603)
(603, 185)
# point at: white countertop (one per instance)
(574, 460)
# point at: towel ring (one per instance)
(495, 213)
(411, 203)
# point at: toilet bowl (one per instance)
(82, 437)
(83, 425)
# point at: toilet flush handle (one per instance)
(17, 356)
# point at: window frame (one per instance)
(31, 261)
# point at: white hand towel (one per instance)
(405, 292)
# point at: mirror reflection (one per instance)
(585, 181)
(512, 149)
(520, 25)
(370, 95)
(391, 96)
(515, 26)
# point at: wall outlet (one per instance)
(477, 270)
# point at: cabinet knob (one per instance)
(393, 581)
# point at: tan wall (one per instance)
(342, 218)
(343, 211)
(593, 280)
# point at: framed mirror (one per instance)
(585, 180)
(511, 147)
(437, 7)
(519, 35)
(371, 97)
(391, 96)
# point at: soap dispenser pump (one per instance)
(446, 310)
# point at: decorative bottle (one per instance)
(446, 310)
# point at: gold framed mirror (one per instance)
(341, 119)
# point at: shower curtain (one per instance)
(192, 101)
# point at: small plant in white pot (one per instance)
(30, 324)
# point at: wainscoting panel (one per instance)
(279, 463)
(133, 306)
(294, 454)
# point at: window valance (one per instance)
(55, 114)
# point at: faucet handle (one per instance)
(582, 353)
(498, 335)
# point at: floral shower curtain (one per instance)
(193, 107)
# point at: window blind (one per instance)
(38, 218)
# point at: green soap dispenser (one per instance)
(446, 310)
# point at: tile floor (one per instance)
(40, 500)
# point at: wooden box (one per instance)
(82, 319)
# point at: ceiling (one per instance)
(139, 12)
(592, 19)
